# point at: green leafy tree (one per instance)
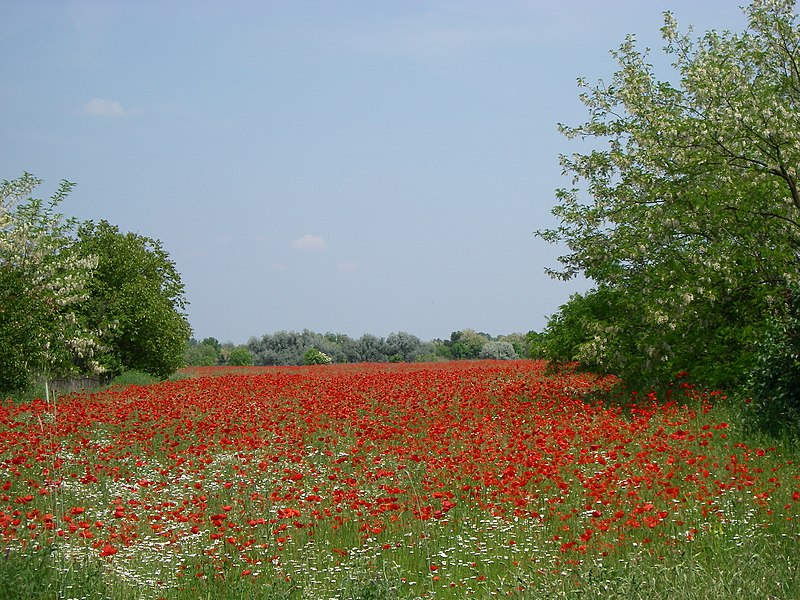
(687, 208)
(586, 329)
(135, 300)
(41, 286)
(200, 355)
(205, 353)
(443, 349)
(24, 323)
(466, 344)
(240, 357)
(534, 345)
(213, 343)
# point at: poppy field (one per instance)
(460, 479)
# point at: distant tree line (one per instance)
(309, 347)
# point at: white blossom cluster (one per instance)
(35, 240)
(688, 196)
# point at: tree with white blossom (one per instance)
(41, 286)
(685, 209)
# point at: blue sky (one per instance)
(353, 166)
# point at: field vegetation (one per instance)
(452, 479)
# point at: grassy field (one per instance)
(445, 480)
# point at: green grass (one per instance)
(39, 390)
(759, 565)
(45, 574)
(133, 378)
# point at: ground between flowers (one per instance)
(467, 478)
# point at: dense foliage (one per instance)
(24, 319)
(239, 356)
(201, 354)
(41, 285)
(685, 211)
(81, 298)
(135, 300)
(774, 382)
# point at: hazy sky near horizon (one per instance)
(353, 166)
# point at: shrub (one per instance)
(313, 356)
(497, 350)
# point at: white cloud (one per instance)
(309, 242)
(102, 107)
(348, 267)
